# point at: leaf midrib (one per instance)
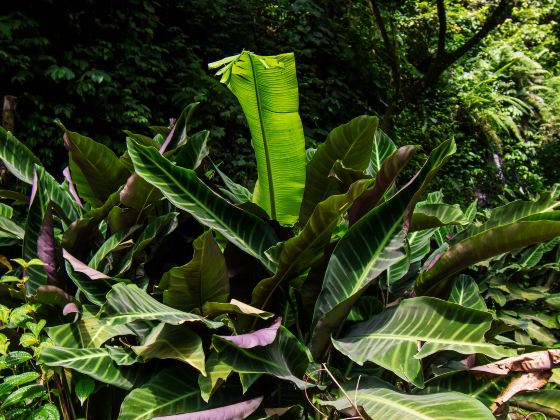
(265, 142)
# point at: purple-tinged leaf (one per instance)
(70, 308)
(237, 411)
(83, 268)
(46, 250)
(384, 178)
(262, 337)
(71, 188)
(34, 185)
(53, 295)
(167, 141)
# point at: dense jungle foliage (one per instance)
(268, 235)
(114, 65)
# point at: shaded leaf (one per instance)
(183, 188)
(204, 279)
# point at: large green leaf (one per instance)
(93, 362)
(483, 389)
(381, 400)
(173, 390)
(369, 247)
(351, 144)
(418, 246)
(172, 342)
(483, 245)
(19, 160)
(94, 290)
(430, 215)
(37, 275)
(112, 243)
(65, 206)
(203, 279)
(391, 339)
(305, 249)
(217, 372)
(191, 154)
(465, 293)
(129, 303)
(511, 212)
(549, 398)
(183, 188)
(286, 357)
(267, 90)
(95, 169)
(383, 147)
(89, 332)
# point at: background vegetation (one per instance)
(112, 65)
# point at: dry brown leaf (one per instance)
(524, 382)
(529, 362)
(6, 263)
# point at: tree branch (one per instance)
(442, 20)
(496, 18)
(390, 47)
(446, 60)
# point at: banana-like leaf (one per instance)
(392, 338)
(173, 390)
(65, 206)
(179, 134)
(6, 211)
(304, 250)
(203, 279)
(484, 389)
(173, 342)
(212, 309)
(511, 212)
(96, 363)
(94, 290)
(191, 154)
(112, 243)
(183, 188)
(286, 358)
(239, 410)
(138, 194)
(37, 276)
(369, 247)
(89, 332)
(19, 160)
(430, 215)
(488, 243)
(384, 179)
(258, 338)
(267, 90)
(149, 234)
(381, 400)
(465, 293)
(382, 148)
(217, 372)
(95, 169)
(235, 192)
(11, 228)
(418, 246)
(549, 398)
(351, 144)
(129, 303)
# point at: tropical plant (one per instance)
(180, 291)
